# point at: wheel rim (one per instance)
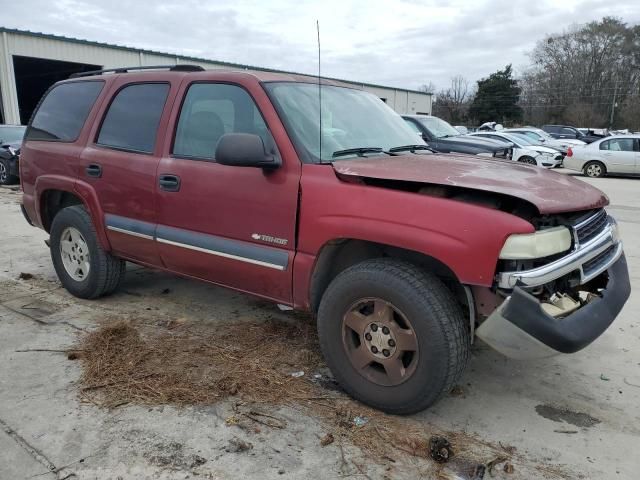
(594, 170)
(75, 254)
(3, 172)
(530, 161)
(380, 341)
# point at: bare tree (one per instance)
(452, 104)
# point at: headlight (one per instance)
(536, 245)
(545, 154)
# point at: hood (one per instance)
(483, 143)
(548, 191)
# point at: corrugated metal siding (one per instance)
(72, 50)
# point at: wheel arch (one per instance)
(339, 254)
(54, 195)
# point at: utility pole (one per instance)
(613, 104)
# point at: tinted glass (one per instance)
(438, 127)
(413, 126)
(618, 145)
(209, 111)
(133, 117)
(63, 111)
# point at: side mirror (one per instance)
(244, 150)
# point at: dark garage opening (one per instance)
(35, 75)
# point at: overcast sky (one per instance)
(404, 43)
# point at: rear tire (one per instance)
(82, 265)
(416, 311)
(5, 177)
(595, 169)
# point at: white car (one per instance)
(525, 151)
(616, 154)
(542, 137)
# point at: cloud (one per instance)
(404, 43)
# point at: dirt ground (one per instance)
(572, 416)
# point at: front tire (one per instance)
(528, 160)
(82, 265)
(393, 335)
(595, 169)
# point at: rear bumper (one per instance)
(519, 328)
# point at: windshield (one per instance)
(353, 122)
(438, 128)
(11, 134)
(522, 138)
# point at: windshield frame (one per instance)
(302, 149)
(421, 119)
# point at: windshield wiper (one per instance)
(360, 151)
(410, 148)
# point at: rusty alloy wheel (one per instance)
(380, 341)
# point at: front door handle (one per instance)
(169, 183)
(94, 170)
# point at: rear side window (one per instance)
(618, 145)
(131, 123)
(63, 111)
(209, 111)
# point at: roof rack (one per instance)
(171, 68)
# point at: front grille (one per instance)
(590, 228)
(598, 261)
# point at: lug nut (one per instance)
(374, 349)
(385, 330)
(386, 352)
(374, 327)
(392, 343)
(367, 336)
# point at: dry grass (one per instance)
(180, 366)
(252, 362)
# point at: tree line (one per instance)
(586, 76)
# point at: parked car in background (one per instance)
(462, 129)
(442, 137)
(568, 132)
(541, 137)
(615, 154)
(525, 151)
(10, 142)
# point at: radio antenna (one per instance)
(319, 90)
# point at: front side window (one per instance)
(131, 123)
(351, 120)
(211, 110)
(63, 111)
(413, 126)
(618, 145)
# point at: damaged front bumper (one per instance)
(521, 327)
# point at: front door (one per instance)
(120, 163)
(234, 226)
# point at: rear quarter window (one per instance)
(63, 111)
(132, 121)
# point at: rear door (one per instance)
(619, 155)
(234, 226)
(120, 163)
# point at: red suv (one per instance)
(242, 180)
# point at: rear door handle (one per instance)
(169, 183)
(94, 170)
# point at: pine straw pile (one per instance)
(180, 366)
(253, 363)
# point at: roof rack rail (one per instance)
(171, 68)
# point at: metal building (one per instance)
(31, 62)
